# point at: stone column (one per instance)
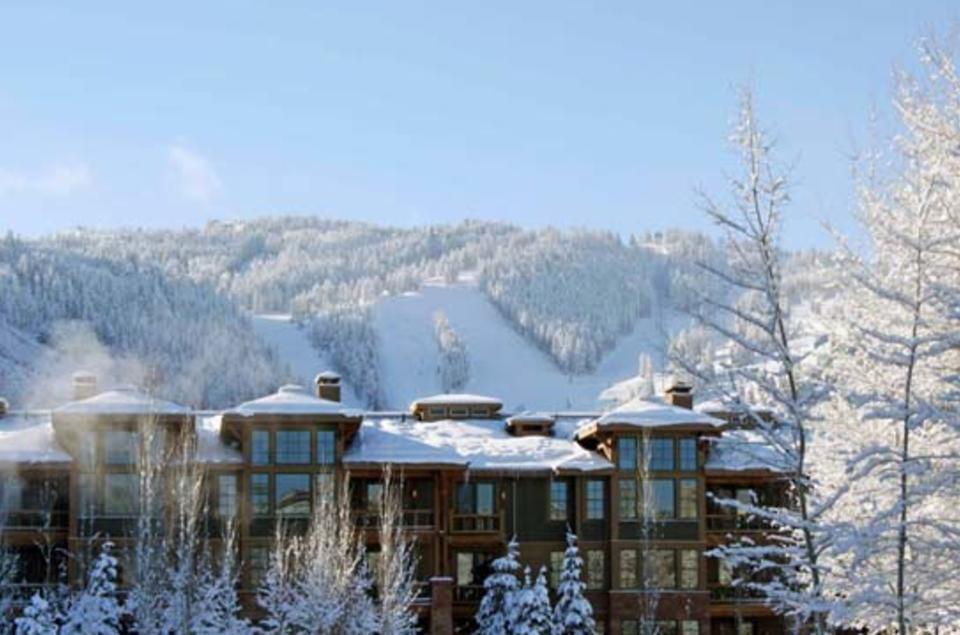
(441, 606)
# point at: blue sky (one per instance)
(601, 114)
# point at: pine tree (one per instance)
(573, 614)
(96, 610)
(39, 617)
(494, 615)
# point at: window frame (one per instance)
(595, 500)
(554, 505)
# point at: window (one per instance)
(464, 569)
(479, 412)
(689, 569)
(689, 627)
(373, 495)
(724, 573)
(661, 454)
(257, 563)
(745, 628)
(458, 412)
(475, 498)
(662, 569)
(663, 502)
(628, 569)
(556, 567)
(666, 627)
(558, 500)
(629, 627)
(121, 447)
(688, 456)
(121, 494)
(437, 411)
(689, 505)
(485, 499)
(326, 447)
(472, 568)
(324, 490)
(260, 494)
(627, 453)
(227, 495)
(628, 499)
(260, 447)
(595, 500)
(292, 494)
(595, 569)
(293, 447)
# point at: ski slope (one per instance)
(503, 363)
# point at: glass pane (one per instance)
(260, 447)
(326, 447)
(121, 494)
(628, 569)
(558, 500)
(464, 569)
(663, 498)
(691, 627)
(627, 453)
(324, 490)
(628, 499)
(373, 495)
(688, 456)
(661, 454)
(689, 505)
(292, 494)
(465, 498)
(260, 494)
(661, 569)
(121, 447)
(293, 447)
(227, 495)
(556, 567)
(595, 502)
(485, 499)
(689, 569)
(595, 569)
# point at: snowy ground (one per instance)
(295, 349)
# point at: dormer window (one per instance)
(460, 413)
(437, 412)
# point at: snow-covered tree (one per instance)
(573, 614)
(497, 606)
(898, 325)
(453, 366)
(395, 577)
(754, 314)
(531, 609)
(40, 617)
(8, 572)
(217, 604)
(95, 609)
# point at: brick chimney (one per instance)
(680, 395)
(84, 385)
(327, 386)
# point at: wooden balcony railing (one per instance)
(468, 593)
(737, 523)
(486, 523)
(413, 518)
(735, 595)
(34, 519)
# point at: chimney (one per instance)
(4, 407)
(84, 385)
(327, 385)
(680, 395)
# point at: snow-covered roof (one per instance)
(744, 450)
(291, 399)
(123, 400)
(654, 413)
(458, 398)
(476, 444)
(29, 438)
(210, 449)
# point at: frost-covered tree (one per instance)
(217, 604)
(497, 606)
(573, 614)
(40, 617)
(395, 576)
(754, 314)
(95, 608)
(453, 365)
(898, 325)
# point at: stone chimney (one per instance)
(84, 385)
(327, 386)
(680, 395)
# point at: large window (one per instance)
(556, 568)
(689, 503)
(628, 499)
(475, 498)
(227, 495)
(661, 454)
(688, 455)
(595, 500)
(595, 569)
(558, 500)
(293, 447)
(260, 447)
(627, 453)
(662, 568)
(663, 498)
(260, 494)
(689, 569)
(121, 496)
(121, 447)
(326, 447)
(628, 569)
(292, 494)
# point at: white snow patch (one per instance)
(123, 400)
(29, 438)
(292, 399)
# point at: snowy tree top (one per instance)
(745, 450)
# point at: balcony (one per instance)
(412, 518)
(475, 523)
(737, 523)
(724, 594)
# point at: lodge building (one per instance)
(635, 484)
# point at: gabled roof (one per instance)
(457, 398)
(650, 413)
(29, 438)
(475, 444)
(292, 399)
(122, 400)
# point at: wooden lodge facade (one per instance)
(635, 484)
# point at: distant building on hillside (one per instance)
(636, 484)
